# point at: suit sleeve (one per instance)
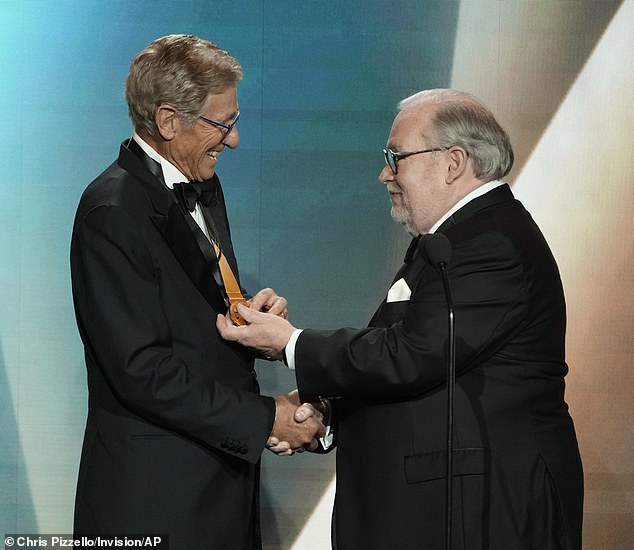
(409, 357)
(126, 332)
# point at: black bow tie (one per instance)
(411, 249)
(196, 191)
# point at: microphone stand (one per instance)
(436, 249)
(451, 392)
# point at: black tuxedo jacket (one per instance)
(175, 423)
(519, 482)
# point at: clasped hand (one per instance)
(297, 426)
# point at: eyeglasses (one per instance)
(227, 127)
(391, 157)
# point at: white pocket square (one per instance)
(399, 292)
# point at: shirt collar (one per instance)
(171, 174)
(478, 192)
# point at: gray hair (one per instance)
(179, 70)
(459, 118)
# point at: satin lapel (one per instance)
(195, 256)
(193, 251)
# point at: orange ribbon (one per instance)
(232, 288)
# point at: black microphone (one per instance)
(436, 249)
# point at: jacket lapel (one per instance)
(216, 218)
(188, 244)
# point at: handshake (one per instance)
(297, 426)
(263, 326)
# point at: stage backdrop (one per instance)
(308, 216)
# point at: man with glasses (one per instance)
(176, 425)
(517, 475)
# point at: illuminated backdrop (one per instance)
(309, 219)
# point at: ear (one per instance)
(167, 121)
(458, 161)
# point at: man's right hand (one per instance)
(289, 435)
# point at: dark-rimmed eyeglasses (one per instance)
(392, 157)
(227, 127)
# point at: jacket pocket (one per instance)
(432, 465)
(151, 435)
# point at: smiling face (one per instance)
(419, 192)
(194, 149)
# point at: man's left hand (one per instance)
(266, 333)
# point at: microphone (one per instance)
(436, 250)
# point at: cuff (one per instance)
(289, 350)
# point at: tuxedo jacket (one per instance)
(518, 478)
(175, 423)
